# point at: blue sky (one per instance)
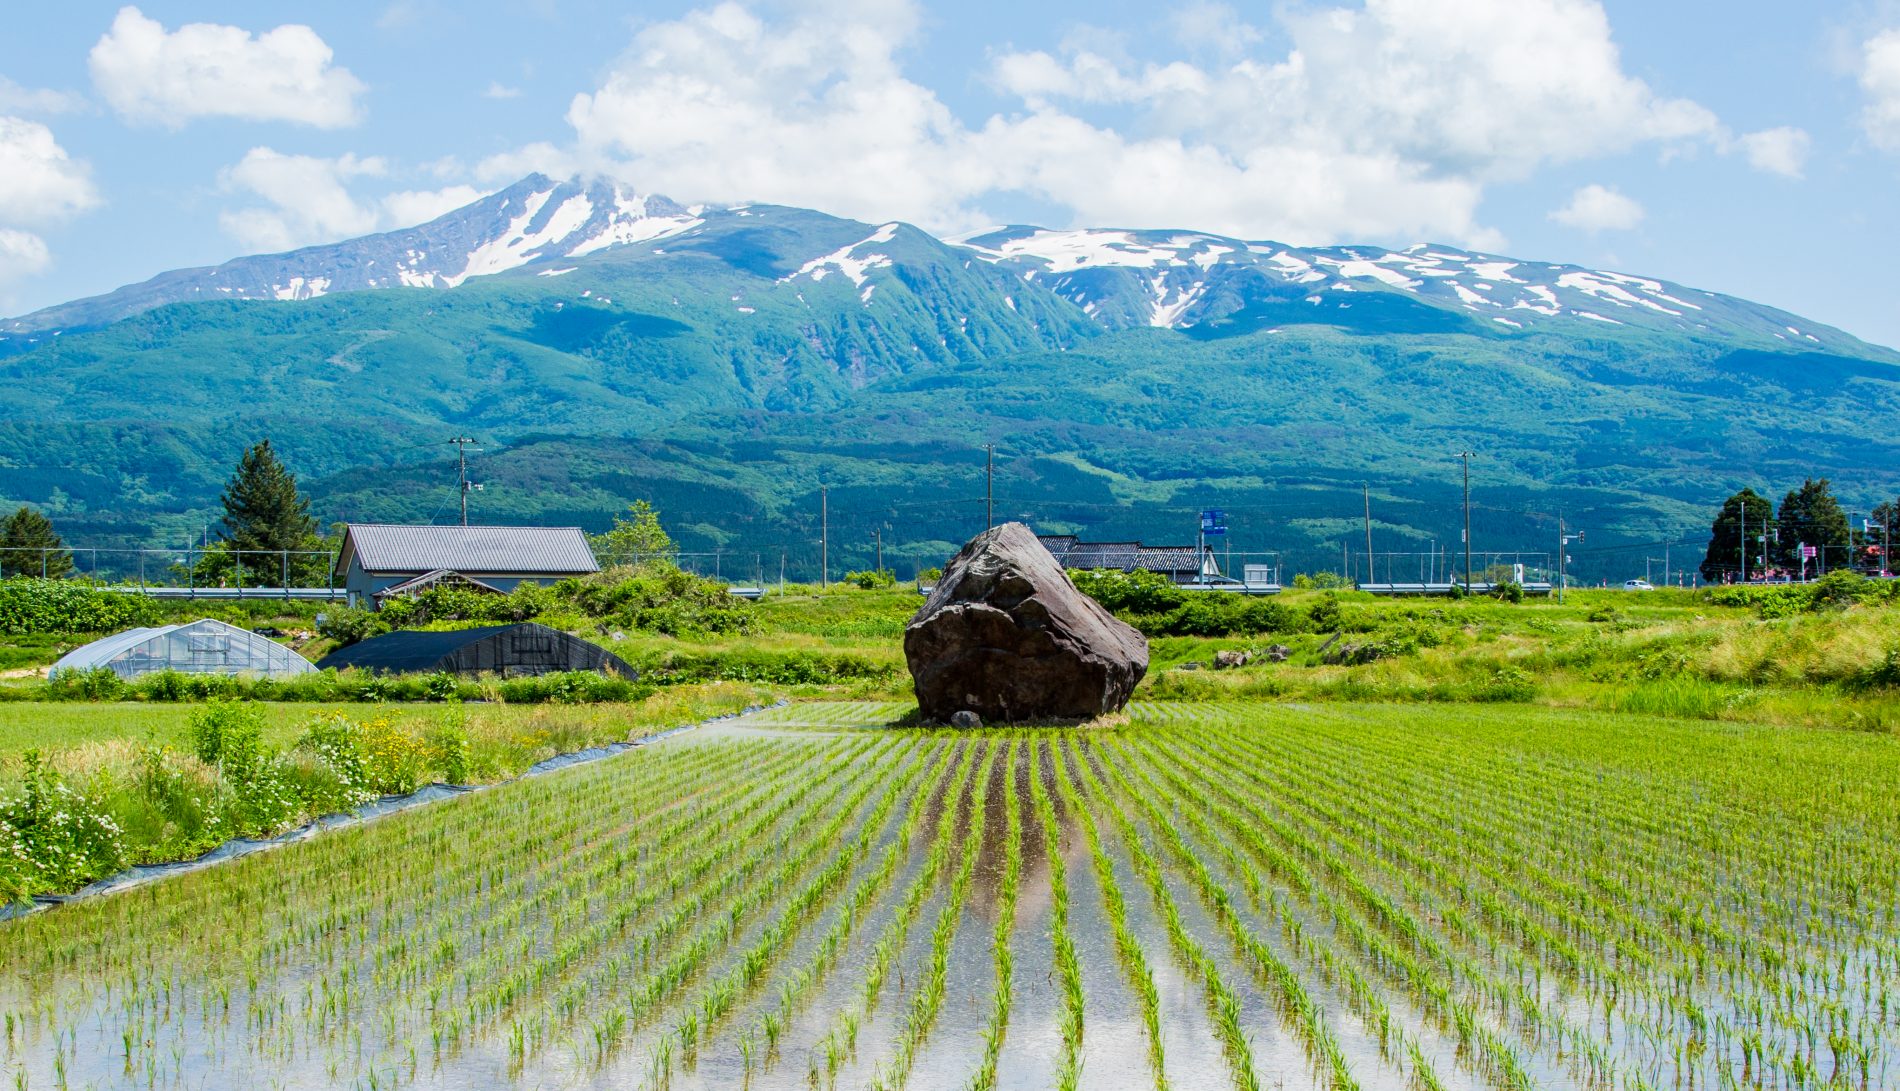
(1744, 147)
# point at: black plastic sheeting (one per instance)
(238, 847)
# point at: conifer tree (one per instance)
(29, 546)
(264, 512)
(1747, 511)
(1811, 516)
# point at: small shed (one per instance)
(527, 648)
(198, 647)
(378, 556)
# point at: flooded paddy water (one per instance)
(1210, 897)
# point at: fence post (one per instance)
(286, 573)
(239, 554)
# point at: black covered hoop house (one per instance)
(506, 650)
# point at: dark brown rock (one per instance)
(1227, 659)
(1006, 635)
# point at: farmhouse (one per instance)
(378, 559)
(1179, 563)
(509, 650)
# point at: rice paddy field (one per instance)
(1195, 896)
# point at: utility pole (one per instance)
(1741, 542)
(461, 459)
(1367, 488)
(824, 537)
(989, 486)
(879, 532)
(1467, 455)
(1563, 559)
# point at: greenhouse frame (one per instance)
(198, 647)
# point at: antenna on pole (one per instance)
(1467, 456)
(989, 486)
(824, 536)
(462, 444)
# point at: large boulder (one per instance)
(1006, 635)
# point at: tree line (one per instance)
(1810, 535)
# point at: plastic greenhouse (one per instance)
(198, 647)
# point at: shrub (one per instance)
(1137, 592)
(1326, 615)
(334, 743)
(659, 598)
(228, 734)
(448, 747)
(64, 837)
(1321, 581)
(871, 580)
(1508, 591)
(33, 605)
(95, 684)
(396, 760)
(929, 575)
(350, 624)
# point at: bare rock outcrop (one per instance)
(1006, 635)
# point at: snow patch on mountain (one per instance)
(846, 260)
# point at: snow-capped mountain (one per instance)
(536, 219)
(1204, 285)
(1184, 280)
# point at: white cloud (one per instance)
(308, 200)
(39, 182)
(498, 90)
(408, 208)
(1213, 26)
(1880, 85)
(22, 254)
(152, 75)
(1599, 208)
(37, 100)
(1387, 122)
(1782, 151)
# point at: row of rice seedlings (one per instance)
(890, 943)
(679, 970)
(797, 986)
(1739, 943)
(624, 881)
(1309, 1022)
(1509, 998)
(1068, 966)
(1504, 994)
(1677, 1021)
(637, 892)
(1222, 1003)
(1366, 921)
(1127, 948)
(450, 1024)
(337, 998)
(928, 999)
(717, 1000)
(675, 884)
(1363, 997)
(1001, 956)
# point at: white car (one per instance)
(1638, 585)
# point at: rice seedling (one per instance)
(1423, 897)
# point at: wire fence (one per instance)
(211, 573)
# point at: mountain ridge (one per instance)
(1179, 279)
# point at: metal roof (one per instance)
(384, 549)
